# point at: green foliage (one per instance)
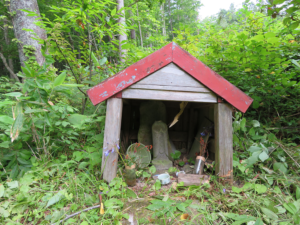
(176, 155)
(40, 123)
(52, 136)
(167, 207)
(172, 170)
(260, 57)
(70, 190)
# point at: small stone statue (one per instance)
(160, 139)
(150, 111)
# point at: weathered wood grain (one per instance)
(171, 75)
(126, 119)
(169, 88)
(173, 135)
(223, 141)
(169, 95)
(191, 129)
(193, 179)
(111, 137)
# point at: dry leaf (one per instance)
(185, 216)
(150, 219)
(174, 185)
(102, 209)
(182, 106)
(50, 103)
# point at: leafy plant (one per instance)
(175, 155)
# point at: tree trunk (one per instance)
(140, 29)
(10, 62)
(20, 22)
(163, 19)
(122, 36)
(170, 15)
(132, 31)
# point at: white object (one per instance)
(164, 178)
(180, 172)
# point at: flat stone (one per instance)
(162, 165)
(187, 169)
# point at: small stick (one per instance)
(77, 213)
(121, 173)
(287, 153)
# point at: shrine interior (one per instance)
(195, 122)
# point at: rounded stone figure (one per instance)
(150, 111)
(160, 139)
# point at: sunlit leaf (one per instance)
(260, 188)
(269, 213)
(6, 119)
(113, 12)
(13, 184)
(16, 127)
(77, 120)
(60, 79)
(263, 156)
(14, 94)
(255, 123)
(56, 198)
(102, 61)
(290, 207)
(278, 166)
(2, 190)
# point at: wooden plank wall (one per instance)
(172, 84)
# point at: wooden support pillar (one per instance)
(111, 137)
(192, 124)
(126, 125)
(223, 141)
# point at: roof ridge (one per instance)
(171, 53)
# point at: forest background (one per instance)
(53, 51)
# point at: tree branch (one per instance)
(133, 3)
(8, 68)
(75, 214)
(85, 94)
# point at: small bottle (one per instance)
(199, 165)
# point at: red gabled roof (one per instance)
(162, 57)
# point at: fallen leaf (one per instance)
(174, 185)
(150, 219)
(102, 209)
(185, 216)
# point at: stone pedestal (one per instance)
(160, 139)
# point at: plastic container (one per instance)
(164, 178)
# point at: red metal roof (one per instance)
(162, 57)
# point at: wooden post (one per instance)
(223, 141)
(191, 135)
(126, 125)
(111, 137)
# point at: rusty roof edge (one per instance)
(124, 70)
(250, 100)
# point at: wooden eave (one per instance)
(162, 57)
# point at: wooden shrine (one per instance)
(170, 75)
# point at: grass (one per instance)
(54, 189)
